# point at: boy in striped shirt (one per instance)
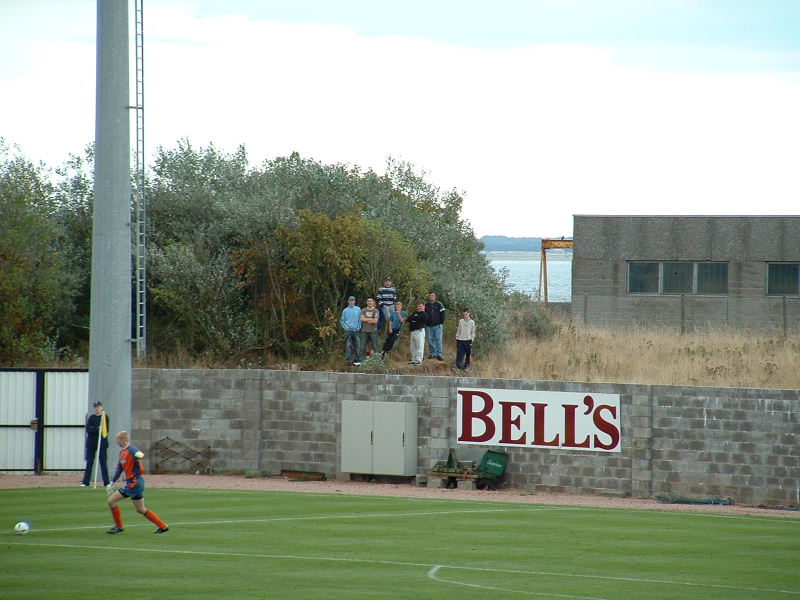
(387, 296)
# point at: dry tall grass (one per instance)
(719, 358)
(645, 356)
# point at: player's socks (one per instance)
(116, 512)
(153, 518)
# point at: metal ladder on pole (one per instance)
(139, 199)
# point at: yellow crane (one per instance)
(547, 243)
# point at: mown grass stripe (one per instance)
(414, 564)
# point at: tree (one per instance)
(297, 237)
(431, 220)
(191, 192)
(37, 284)
(73, 194)
(201, 306)
(243, 260)
(330, 259)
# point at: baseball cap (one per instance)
(97, 404)
(352, 298)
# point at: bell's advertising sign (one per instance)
(518, 418)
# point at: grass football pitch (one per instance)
(249, 544)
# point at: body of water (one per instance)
(523, 274)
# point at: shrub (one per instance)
(527, 318)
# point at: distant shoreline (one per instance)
(515, 255)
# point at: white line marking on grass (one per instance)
(406, 564)
(765, 519)
(663, 511)
(319, 518)
(631, 579)
(361, 516)
(371, 497)
(433, 574)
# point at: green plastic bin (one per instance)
(492, 467)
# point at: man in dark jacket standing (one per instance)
(434, 329)
(96, 439)
(416, 323)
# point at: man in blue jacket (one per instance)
(351, 323)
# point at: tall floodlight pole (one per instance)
(110, 313)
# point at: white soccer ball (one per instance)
(139, 454)
(21, 528)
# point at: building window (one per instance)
(712, 278)
(643, 277)
(677, 277)
(783, 279)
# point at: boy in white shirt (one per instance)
(465, 334)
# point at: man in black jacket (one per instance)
(434, 328)
(417, 323)
(95, 432)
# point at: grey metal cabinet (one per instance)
(379, 437)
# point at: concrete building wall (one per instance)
(734, 238)
(605, 244)
(682, 440)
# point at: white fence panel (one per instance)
(66, 403)
(17, 397)
(17, 449)
(63, 449)
(17, 408)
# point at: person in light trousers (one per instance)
(416, 323)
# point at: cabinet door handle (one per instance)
(404, 439)
(371, 433)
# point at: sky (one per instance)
(534, 110)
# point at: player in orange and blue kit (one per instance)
(130, 463)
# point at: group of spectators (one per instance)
(385, 314)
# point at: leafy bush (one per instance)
(244, 262)
(527, 318)
(373, 363)
(37, 283)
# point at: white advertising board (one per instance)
(536, 419)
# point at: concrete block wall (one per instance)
(682, 440)
(727, 442)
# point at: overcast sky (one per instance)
(535, 109)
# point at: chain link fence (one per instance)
(773, 315)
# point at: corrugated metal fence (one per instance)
(42, 418)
